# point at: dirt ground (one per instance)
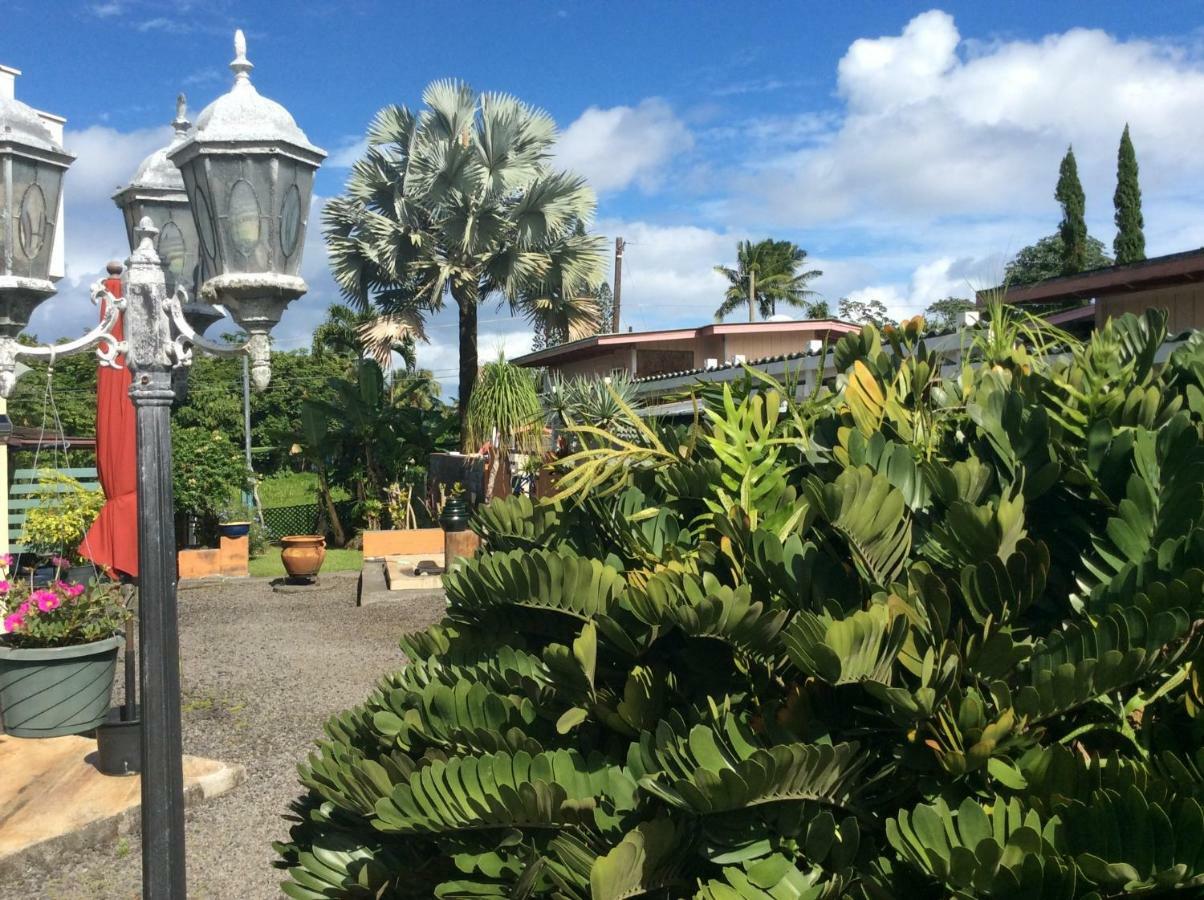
(261, 672)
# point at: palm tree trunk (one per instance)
(468, 354)
(332, 513)
(752, 295)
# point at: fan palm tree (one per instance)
(350, 333)
(459, 200)
(772, 270)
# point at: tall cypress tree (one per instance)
(1129, 244)
(1073, 227)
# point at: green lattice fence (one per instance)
(304, 519)
(290, 520)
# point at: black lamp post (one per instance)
(248, 176)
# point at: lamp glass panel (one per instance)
(300, 182)
(200, 202)
(240, 190)
(177, 244)
(290, 221)
(245, 217)
(172, 252)
(34, 204)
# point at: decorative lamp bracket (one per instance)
(108, 347)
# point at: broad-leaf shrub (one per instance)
(932, 632)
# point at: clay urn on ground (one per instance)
(302, 554)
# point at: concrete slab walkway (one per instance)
(54, 801)
(261, 672)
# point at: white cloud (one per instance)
(347, 153)
(623, 145)
(106, 10)
(935, 127)
(669, 279)
(943, 277)
(668, 275)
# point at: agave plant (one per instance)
(914, 636)
(595, 402)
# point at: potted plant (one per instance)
(234, 520)
(58, 654)
(56, 526)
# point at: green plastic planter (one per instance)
(50, 692)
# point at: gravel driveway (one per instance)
(261, 672)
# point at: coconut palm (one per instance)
(773, 271)
(460, 200)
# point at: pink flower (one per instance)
(44, 600)
(61, 562)
(23, 609)
(5, 587)
(13, 622)
(6, 560)
(73, 590)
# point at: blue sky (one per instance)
(910, 149)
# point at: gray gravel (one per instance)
(261, 672)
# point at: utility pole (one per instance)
(752, 295)
(619, 245)
(250, 494)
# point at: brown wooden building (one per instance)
(1174, 283)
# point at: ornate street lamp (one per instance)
(32, 164)
(157, 191)
(249, 174)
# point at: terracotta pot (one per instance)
(302, 554)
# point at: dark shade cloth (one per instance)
(112, 541)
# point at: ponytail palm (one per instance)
(460, 200)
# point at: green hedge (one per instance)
(927, 634)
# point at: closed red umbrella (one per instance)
(112, 542)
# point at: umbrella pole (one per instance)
(129, 711)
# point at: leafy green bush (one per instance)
(925, 634)
(208, 473)
(65, 511)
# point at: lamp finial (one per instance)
(181, 123)
(241, 66)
